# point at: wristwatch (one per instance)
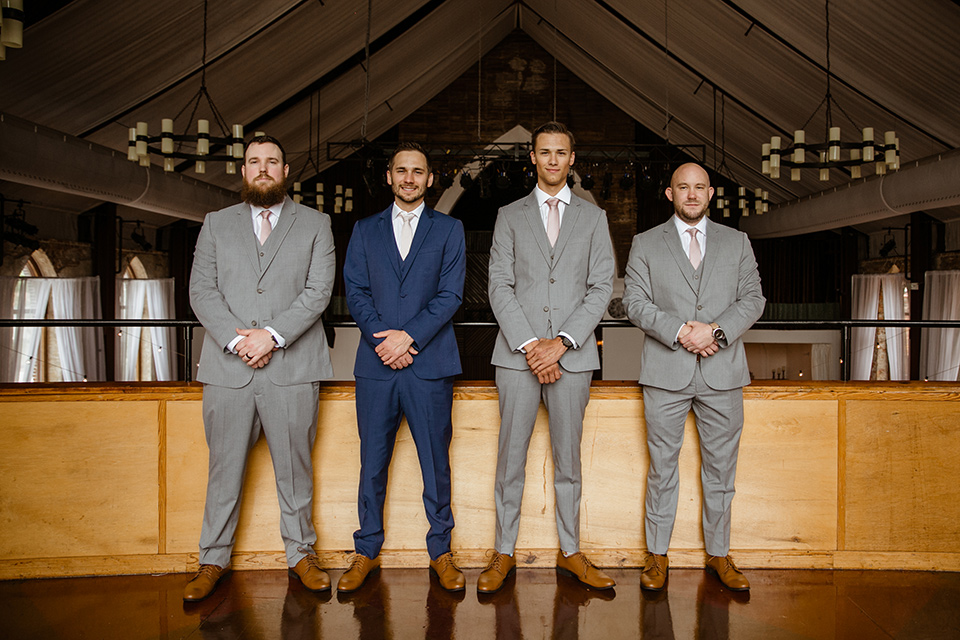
(565, 341)
(718, 334)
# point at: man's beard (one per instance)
(683, 215)
(266, 196)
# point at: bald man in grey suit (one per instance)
(551, 276)
(692, 285)
(262, 275)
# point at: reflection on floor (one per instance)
(537, 603)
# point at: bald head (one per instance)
(690, 192)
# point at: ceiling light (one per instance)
(885, 155)
(139, 140)
(11, 26)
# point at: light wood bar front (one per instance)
(110, 479)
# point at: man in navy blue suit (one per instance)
(404, 275)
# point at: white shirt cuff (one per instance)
(232, 347)
(570, 338)
(523, 348)
(276, 336)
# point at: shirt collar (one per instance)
(563, 195)
(416, 212)
(682, 226)
(274, 210)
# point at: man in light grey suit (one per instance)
(692, 285)
(551, 276)
(262, 275)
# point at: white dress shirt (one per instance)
(398, 221)
(542, 197)
(701, 227)
(258, 219)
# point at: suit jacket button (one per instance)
(254, 323)
(699, 307)
(546, 309)
(259, 290)
(552, 280)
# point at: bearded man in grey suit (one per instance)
(262, 275)
(692, 285)
(551, 276)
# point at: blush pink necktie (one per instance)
(265, 227)
(553, 220)
(695, 255)
(406, 235)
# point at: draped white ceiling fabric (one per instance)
(296, 68)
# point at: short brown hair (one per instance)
(409, 146)
(264, 139)
(553, 127)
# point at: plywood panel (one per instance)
(787, 476)
(78, 478)
(186, 453)
(902, 476)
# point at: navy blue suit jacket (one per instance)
(419, 294)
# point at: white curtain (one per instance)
(81, 349)
(940, 348)
(893, 285)
(156, 295)
(865, 294)
(821, 357)
(865, 291)
(10, 337)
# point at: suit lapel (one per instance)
(288, 217)
(710, 257)
(242, 235)
(531, 213)
(389, 241)
(570, 216)
(672, 239)
(423, 228)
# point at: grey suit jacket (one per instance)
(284, 284)
(662, 291)
(536, 296)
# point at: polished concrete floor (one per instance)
(537, 603)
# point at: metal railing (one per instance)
(844, 326)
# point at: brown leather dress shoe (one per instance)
(498, 569)
(580, 567)
(203, 584)
(731, 577)
(313, 577)
(654, 575)
(360, 567)
(450, 576)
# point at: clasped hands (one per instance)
(543, 358)
(396, 351)
(256, 348)
(697, 337)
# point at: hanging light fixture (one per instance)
(885, 155)
(757, 197)
(138, 144)
(11, 26)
